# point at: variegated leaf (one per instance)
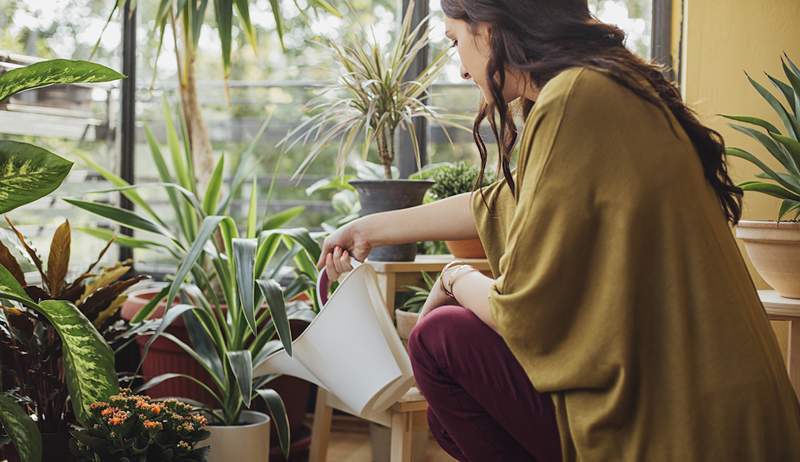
(54, 71)
(28, 173)
(88, 360)
(22, 429)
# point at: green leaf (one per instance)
(151, 306)
(741, 153)
(206, 231)
(277, 411)
(223, 11)
(281, 218)
(166, 177)
(22, 429)
(51, 72)
(776, 105)
(243, 7)
(786, 207)
(244, 166)
(242, 366)
(159, 379)
(121, 239)
(279, 27)
(273, 295)
(121, 216)
(11, 289)
(214, 187)
(88, 360)
(770, 189)
(28, 173)
(771, 146)
(244, 252)
(754, 121)
(117, 181)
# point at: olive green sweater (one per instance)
(621, 291)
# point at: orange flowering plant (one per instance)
(136, 428)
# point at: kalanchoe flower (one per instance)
(130, 426)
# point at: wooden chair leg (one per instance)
(401, 437)
(321, 428)
(793, 358)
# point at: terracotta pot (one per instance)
(468, 248)
(165, 357)
(248, 442)
(774, 249)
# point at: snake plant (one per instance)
(782, 144)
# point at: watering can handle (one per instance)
(324, 283)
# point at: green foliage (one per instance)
(24, 435)
(783, 146)
(133, 427)
(27, 172)
(419, 294)
(373, 98)
(454, 179)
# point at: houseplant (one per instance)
(178, 180)
(408, 313)
(132, 427)
(29, 173)
(232, 324)
(774, 246)
(31, 351)
(373, 99)
(452, 179)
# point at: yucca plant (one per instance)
(235, 324)
(28, 173)
(782, 145)
(419, 294)
(373, 98)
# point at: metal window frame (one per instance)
(661, 38)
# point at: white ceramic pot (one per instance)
(774, 249)
(248, 442)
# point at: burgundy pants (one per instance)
(482, 406)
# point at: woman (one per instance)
(622, 324)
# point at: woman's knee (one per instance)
(444, 327)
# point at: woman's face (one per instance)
(474, 50)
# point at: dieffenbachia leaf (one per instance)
(28, 173)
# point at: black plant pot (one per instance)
(384, 195)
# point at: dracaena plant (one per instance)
(28, 173)
(190, 202)
(373, 98)
(782, 144)
(31, 352)
(235, 324)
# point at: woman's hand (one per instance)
(347, 241)
(436, 298)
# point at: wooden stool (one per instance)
(402, 414)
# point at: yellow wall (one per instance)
(721, 40)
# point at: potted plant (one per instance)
(87, 368)
(774, 246)
(237, 322)
(31, 352)
(407, 315)
(134, 427)
(452, 179)
(178, 180)
(372, 100)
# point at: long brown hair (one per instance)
(543, 38)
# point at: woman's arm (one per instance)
(445, 219)
(471, 290)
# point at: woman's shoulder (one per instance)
(580, 83)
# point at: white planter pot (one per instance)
(774, 249)
(248, 442)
